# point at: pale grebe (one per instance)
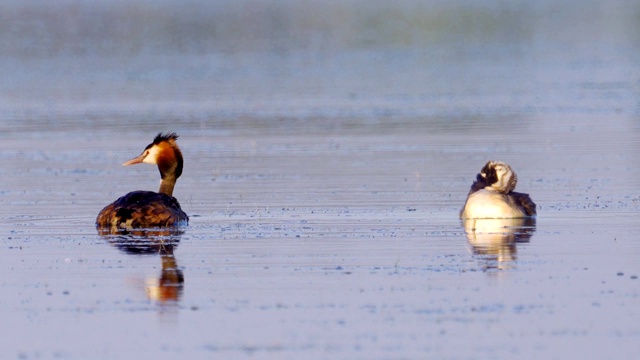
(492, 197)
(148, 209)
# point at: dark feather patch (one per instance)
(490, 174)
(525, 202)
(162, 137)
(490, 177)
(479, 184)
(165, 137)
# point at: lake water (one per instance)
(328, 150)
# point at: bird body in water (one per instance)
(492, 197)
(148, 209)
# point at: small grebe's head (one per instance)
(164, 152)
(499, 176)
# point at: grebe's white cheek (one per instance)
(152, 156)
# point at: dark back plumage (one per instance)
(142, 209)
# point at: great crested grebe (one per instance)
(148, 209)
(492, 197)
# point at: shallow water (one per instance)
(323, 184)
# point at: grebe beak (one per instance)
(136, 160)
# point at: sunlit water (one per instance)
(324, 173)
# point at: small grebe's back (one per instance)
(148, 209)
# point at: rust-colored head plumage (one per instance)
(165, 153)
(169, 156)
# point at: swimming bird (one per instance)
(492, 197)
(148, 209)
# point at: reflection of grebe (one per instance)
(148, 209)
(169, 286)
(492, 197)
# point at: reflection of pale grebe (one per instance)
(495, 240)
(148, 209)
(492, 197)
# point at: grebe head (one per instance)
(499, 176)
(164, 152)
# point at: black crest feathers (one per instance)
(165, 137)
